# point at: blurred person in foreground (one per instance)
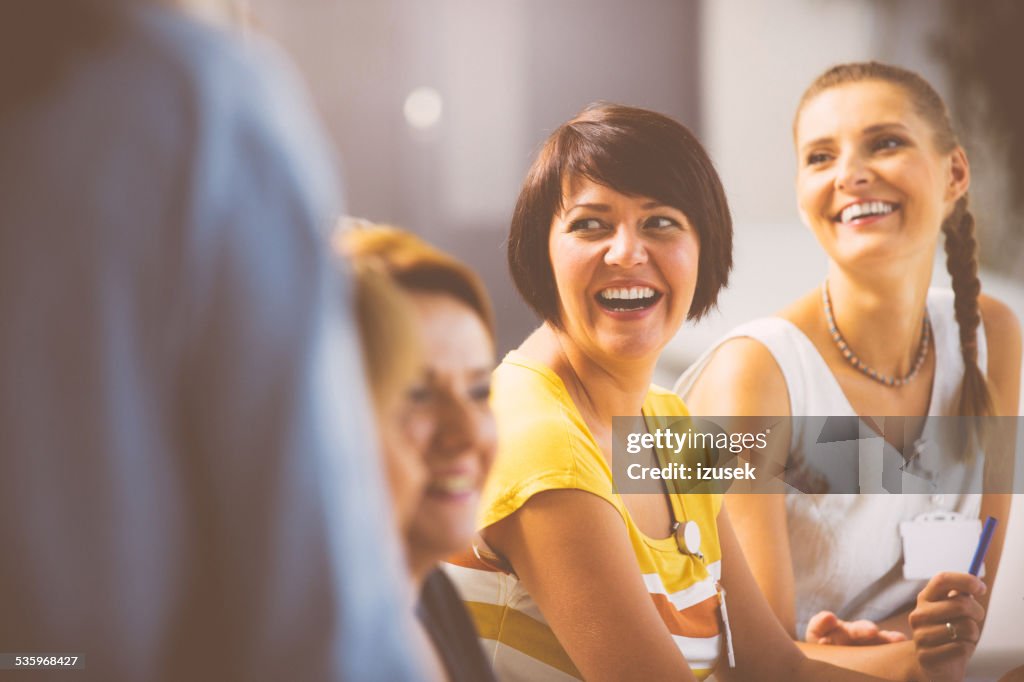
(188, 486)
(438, 418)
(881, 178)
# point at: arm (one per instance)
(763, 649)
(757, 387)
(618, 635)
(754, 386)
(1003, 338)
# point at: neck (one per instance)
(881, 318)
(601, 390)
(420, 566)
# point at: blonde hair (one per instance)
(961, 244)
(415, 265)
(392, 355)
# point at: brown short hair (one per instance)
(415, 265)
(635, 152)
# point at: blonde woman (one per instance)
(881, 178)
(434, 420)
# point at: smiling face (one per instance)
(460, 446)
(871, 184)
(402, 431)
(625, 268)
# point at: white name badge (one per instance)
(938, 541)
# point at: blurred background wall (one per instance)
(437, 107)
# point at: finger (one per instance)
(820, 625)
(941, 584)
(933, 613)
(891, 636)
(958, 631)
(862, 630)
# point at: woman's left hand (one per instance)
(947, 624)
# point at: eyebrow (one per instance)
(870, 130)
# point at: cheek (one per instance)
(404, 468)
(569, 266)
(488, 440)
(683, 264)
(812, 195)
(416, 428)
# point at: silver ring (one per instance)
(951, 629)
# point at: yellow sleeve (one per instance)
(543, 445)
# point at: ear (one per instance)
(959, 175)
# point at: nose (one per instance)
(627, 248)
(458, 427)
(852, 172)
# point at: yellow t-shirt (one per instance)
(544, 444)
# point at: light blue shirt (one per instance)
(189, 488)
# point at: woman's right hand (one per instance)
(947, 624)
(826, 627)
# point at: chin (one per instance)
(633, 347)
(445, 532)
(869, 254)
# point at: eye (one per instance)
(420, 394)
(660, 222)
(817, 158)
(481, 393)
(585, 225)
(888, 142)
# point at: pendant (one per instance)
(688, 539)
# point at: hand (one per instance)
(947, 624)
(826, 628)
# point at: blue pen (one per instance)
(982, 550)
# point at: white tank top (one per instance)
(846, 549)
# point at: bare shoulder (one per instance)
(1003, 338)
(1001, 324)
(742, 378)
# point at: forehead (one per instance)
(579, 189)
(454, 336)
(853, 107)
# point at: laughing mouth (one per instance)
(865, 209)
(452, 484)
(627, 299)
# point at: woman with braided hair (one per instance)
(881, 177)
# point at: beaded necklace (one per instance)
(851, 357)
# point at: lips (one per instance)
(627, 299)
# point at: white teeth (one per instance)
(453, 485)
(865, 208)
(628, 294)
